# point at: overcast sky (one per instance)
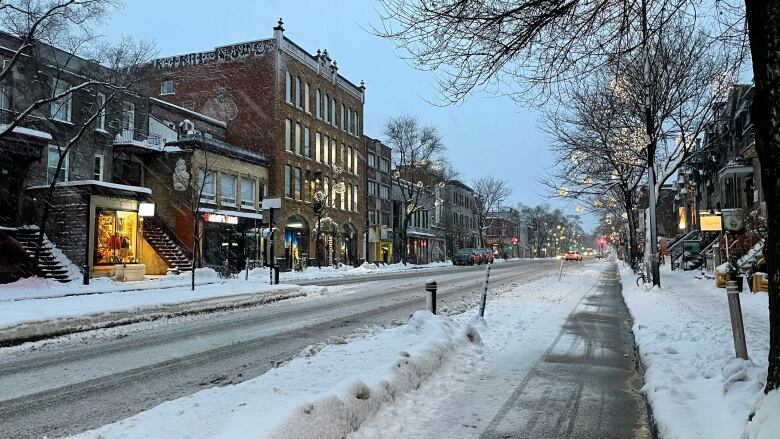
(485, 135)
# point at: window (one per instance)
(343, 157)
(384, 165)
(371, 217)
(5, 98)
(342, 119)
(308, 186)
(248, 192)
(98, 167)
(371, 160)
(306, 142)
(298, 138)
(355, 164)
(349, 158)
(298, 92)
(333, 112)
(61, 108)
(355, 199)
(333, 151)
(128, 120)
(260, 192)
(372, 185)
(51, 166)
(166, 87)
(318, 147)
(288, 88)
(297, 183)
(288, 181)
(306, 97)
(318, 104)
(325, 107)
(385, 219)
(349, 121)
(384, 192)
(287, 135)
(357, 124)
(325, 150)
(227, 190)
(348, 203)
(206, 184)
(101, 107)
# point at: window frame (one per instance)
(100, 176)
(56, 106)
(203, 176)
(100, 100)
(222, 198)
(251, 203)
(64, 172)
(163, 91)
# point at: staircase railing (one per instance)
(168, 230)
(676, 250)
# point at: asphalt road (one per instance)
(80, 384)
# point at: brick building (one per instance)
(379, 208)
(294, 107)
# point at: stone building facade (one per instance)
(295, 108)
(379, 208)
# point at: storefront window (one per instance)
(116, 237)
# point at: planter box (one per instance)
(760, 282)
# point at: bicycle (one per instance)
(642, 276)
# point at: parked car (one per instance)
(572, 255)
(464, 256)
(486, 255)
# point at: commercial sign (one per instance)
(733, 220)
(219, 218)
(710, 222)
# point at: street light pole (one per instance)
(650, 146)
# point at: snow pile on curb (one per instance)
(366, 269)
(765, 423)
(341, 413)
(694, 383)
(326, 395)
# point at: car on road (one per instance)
(464, 256)
(572, 255)
(485, 255)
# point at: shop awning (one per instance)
(240, 214)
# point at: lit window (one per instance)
(318, 147)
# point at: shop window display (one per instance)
(116, 237)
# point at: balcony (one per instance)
(27, 138)
(141, 141)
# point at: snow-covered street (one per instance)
(82, 381)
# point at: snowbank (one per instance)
(343, 271)
(766, 423)
(694, 383)
(327, 394)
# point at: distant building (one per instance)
(378, 204)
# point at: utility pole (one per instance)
(650, 147)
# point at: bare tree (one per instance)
(48, 37)
(489, 193)
(325, 199)
(418, 168)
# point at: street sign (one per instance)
(271, 203)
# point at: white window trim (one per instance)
(56, 106)
(251, 204)
(65, 163)
(207, 197)
(102, 166)
(162, 88)
(235, 191)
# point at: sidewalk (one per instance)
(587, 382)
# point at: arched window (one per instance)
(298, 92)
(318, 105)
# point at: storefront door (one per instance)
(116, 237)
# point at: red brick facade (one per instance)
(245, 85)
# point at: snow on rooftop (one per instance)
(117, 186)
(202, 116)
(28, 132)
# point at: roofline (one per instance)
(202, 116)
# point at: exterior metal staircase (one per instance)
(49, 266)
(165, 242)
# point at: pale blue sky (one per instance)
(484, 135)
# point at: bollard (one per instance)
(246, 267)
(737, 328)
(85, 274)
(276, 275)
(560, 272)
(483, 299)
(430, 296)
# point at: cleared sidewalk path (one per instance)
(588, 382)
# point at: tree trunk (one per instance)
(764, 34)
(195, 245)
(632, 241)
(404, 241)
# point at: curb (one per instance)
(39, 330)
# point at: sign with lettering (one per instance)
(219, 218)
